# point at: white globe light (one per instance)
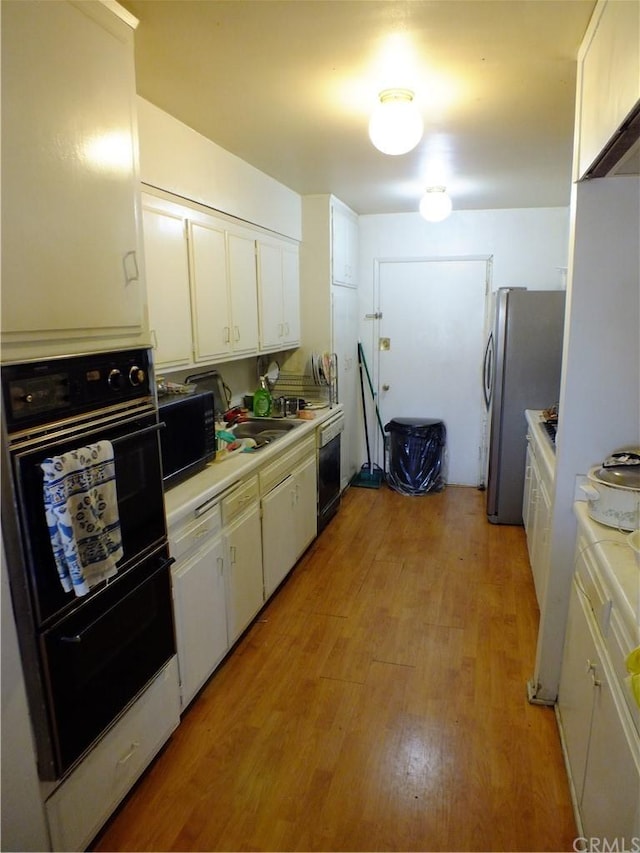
(395, 126)
(435, 205)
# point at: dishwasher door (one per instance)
(329, 477)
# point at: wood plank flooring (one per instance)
(377, 703)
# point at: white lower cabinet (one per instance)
(199, 601)
(536, 514)
(602, 745)
(243, 557)
(80, 806)
(289, 512)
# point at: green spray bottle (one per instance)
(262, 400)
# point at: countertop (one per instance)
(547, 455)
(620, 567)
(221, 474)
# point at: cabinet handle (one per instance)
(286, 328)
(280, 330)
(220, 565)
(591, 668)
(125, 758)
(130, 266)
(237, 331)
(227, 335)
(232, 554)
(154, 339)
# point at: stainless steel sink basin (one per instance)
(264, 430)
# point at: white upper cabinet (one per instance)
(279, 295)
(167, 269)
(211, 304)
(344, 244)
(243, 290)
(609, 77)
(202, 285)
(72, 278)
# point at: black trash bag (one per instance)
(416, 448)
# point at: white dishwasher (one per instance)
(329, 482)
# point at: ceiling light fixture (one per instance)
(436, 204)
(395, 126)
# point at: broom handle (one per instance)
(364, 411)
(362, 361)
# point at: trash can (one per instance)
(416, 451)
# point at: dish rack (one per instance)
(311, 387)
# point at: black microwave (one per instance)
(188, 437)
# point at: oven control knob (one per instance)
(137, 376)
(115, 380)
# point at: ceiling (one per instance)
(288, 86)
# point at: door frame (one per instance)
(374, 351)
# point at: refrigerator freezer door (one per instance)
(528, 356)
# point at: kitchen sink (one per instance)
(264, 430)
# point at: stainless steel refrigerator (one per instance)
(521, 371)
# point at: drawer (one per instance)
(590, 584)
(194, 532)
(276, 472)
(239, 499)
(80, 806)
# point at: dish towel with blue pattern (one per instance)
(81, 508)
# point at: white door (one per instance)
(433, 314)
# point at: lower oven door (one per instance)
(98, 659)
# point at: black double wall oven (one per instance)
(87, 657)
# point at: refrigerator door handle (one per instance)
(487, 373)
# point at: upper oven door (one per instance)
(140, 504)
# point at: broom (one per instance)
(369, 476)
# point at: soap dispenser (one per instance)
(262, 400)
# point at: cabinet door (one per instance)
(243, 571)
(611, 798)
(167, 267)
(306, 516)
(528, 498)
(540, 562)
(575, 695)
(69, 263)
(344, 337)
(200, 612)
(610, 84)
(243, 291)
(270, 295)
(211, 306)
(291, 295)
(344, 235)
(279, 295)
(279, 533)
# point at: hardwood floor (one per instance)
(377, 703)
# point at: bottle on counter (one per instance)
(262, 400)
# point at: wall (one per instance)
(23, 822)
(529, 247)
(175, 158)
(600, 391)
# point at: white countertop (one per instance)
(619, 564)
(224, 472)
(547, 455)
